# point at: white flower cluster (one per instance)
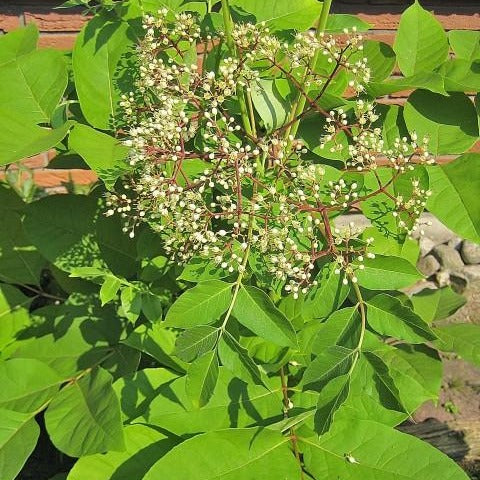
(210, 188)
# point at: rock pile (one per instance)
(446, 259)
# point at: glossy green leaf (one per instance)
(14, 315)
(26, 384)
(246, 454)
(337, 22)
(371, 451)
(236, 358)
(330, 399)
(421, 43)
(32, 84)
(380, 59)
(388, 316)
(328, 295)
(99, 52)
(449, 122)
(84, 417)
(254, 309)
(144, 446)
(202, 376)
(20, 139)
(109, 289)
(283, 14)
(20, 262)
(341, 328)
(463, 339)
(104, 154)
(18, 436)
(454, 201)
(158, 342)
(270, 104)
(329, 364)
(461, 75)
(234, 403)
(431, 81)
(202, 304)
(62, 228)
(195, 341)
(18, 42)
(387, 273)
(433, 305)
(465, 43)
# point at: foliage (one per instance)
(199, 313)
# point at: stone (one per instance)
(455, 242)
(448, 257)
(426, 245)
(419, 286)
(471, 272)
(470, 252)
(442, 278)
(458, 282)
(428, 265)
(437, 232)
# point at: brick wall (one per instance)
(59, 27)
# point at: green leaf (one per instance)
(387, 273)
(465, 44)
(14, 315)
(195, 341)
(202, 376)
(109, 289)
(20, 262)
(461, 75)
(158, 342)
(32, 84)
(463, 339)
(84, 417)
(20, 139)
(18, 436)
(62, 228)
(269, 102)
(337, 22)
(202, 304)
(200, 270)
(237, 360)
(104, 154)
(329, 364)
(233, 404)
(144, 446)
(99, 51)
(26, 384)
(246, 454)
(118, 250)
(254, 309)
(341, 328)
(18, 42)
(431, 81)
(388, 316)
(453, 200)
(421, 43)
(330, 399)
(372, 451)
(449, 122)
(283, 14)
(433, 305)
(380, 59)
(328, 295)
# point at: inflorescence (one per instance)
(215, 190)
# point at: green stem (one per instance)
(299, 104)
(228, 22)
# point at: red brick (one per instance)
(62, 41)
(381, 36)
(53, 21)
(9, 19)
(54, 178)
(454, 15)
(37, 161)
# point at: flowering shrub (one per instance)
(209, 310)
